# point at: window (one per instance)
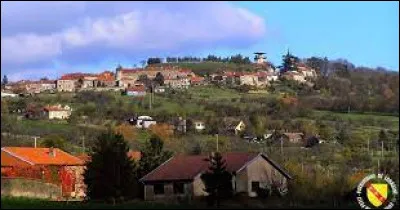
(179, 188)
(158, 189)
(255, 186)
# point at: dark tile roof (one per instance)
(184, 167)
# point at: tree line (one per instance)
(238, 59)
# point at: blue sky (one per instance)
(53, 38)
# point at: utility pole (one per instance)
(35, 137)
(382, 150)
(217, 142)
(83, 143)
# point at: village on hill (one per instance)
(279, 130)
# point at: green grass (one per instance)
(373, 120)
(213, 93)
(358, 116)
(31, 125)
(28, 203)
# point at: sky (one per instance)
(52, 38)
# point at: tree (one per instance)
(289, 62)
(217, 180)
(343, 136)
(111, 173)
(153, 61)
(163, 130)
(159, 79)
(5, 80)
(127, 132)
(153, 155)
(54, 140)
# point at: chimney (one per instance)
(52, 152)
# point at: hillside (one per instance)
(203, 68)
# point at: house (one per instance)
(294, 75)
(293, 137)
(180, 176)
(199, 125)
(234, 125)
(197, 80)
(40, 161)
(105, 79)
(306, 71)
(138, 90)
(177, 82)
(66, 85)
(57, 112)
(145, 122)
(179, 125)
(125, 75)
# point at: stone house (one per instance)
(177, 82)
(13, 159)
(57, 112)
(179, 177)
(66, 85)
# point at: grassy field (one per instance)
(213, 93)
(27, 203)
(386, 121)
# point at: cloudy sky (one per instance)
(50, 38)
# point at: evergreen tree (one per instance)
(5, 80)
(217, 180)
(153, 155)
(159, 79)
(289, 62)
(111, 173)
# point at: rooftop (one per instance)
(40, 156)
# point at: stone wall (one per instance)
(29, 188)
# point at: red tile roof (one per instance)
(139, 88)
(41, 156)
(188, 167)
(76, 76)
(106, 76)
(196, 79)
(54, 108)
(184, 167)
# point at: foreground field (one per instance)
(27, 203)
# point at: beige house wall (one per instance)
(59, 114)
(66, 85)
(259, 170)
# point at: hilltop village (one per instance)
(286, 133)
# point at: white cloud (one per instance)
(106, 29)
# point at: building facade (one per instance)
(180, 176)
